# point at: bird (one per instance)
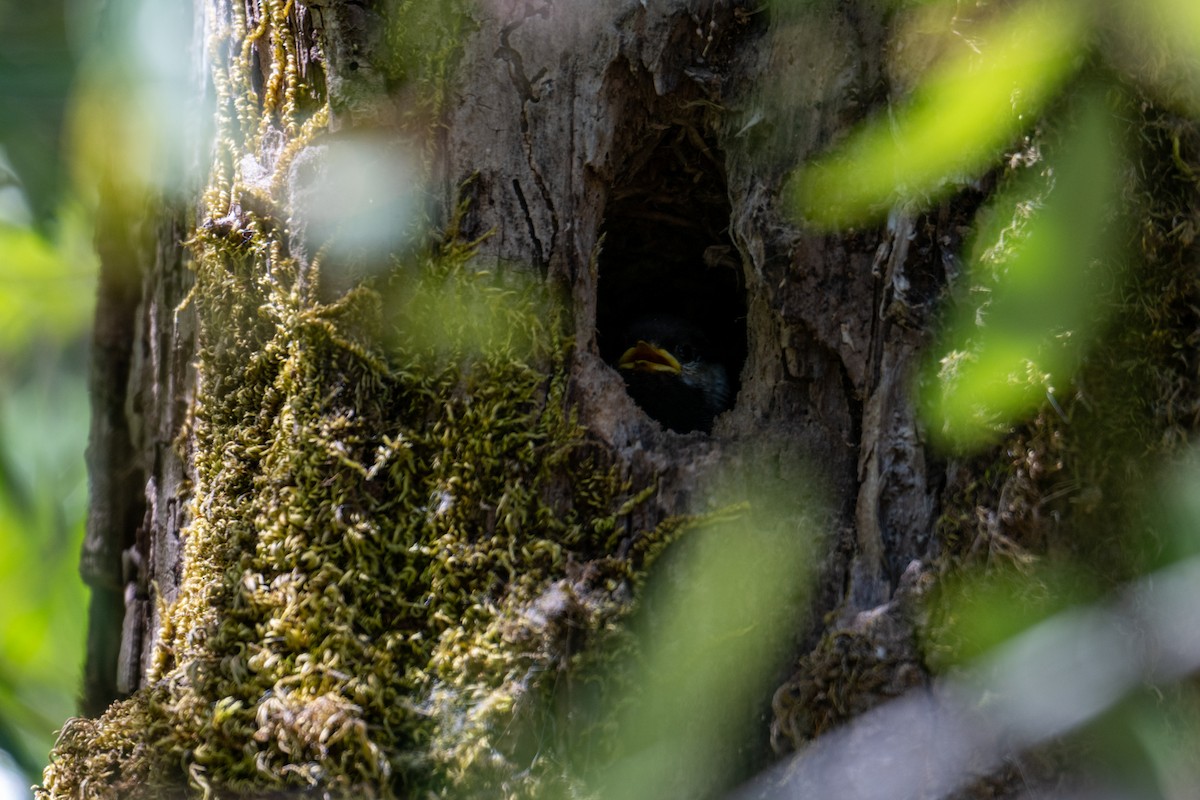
(671, 372)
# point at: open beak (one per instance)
(645, 357)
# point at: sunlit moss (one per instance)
(850, 671)
(398, 533)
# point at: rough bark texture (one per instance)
(575, 100)
(142, 383)
(558, 106)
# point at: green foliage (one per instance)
(978, 609)
(713, 652)
(35, 80)
(43, 423)
(1034, 270)
(43, 427)
(60, 148)
(47, 286)
(1064, 382)
(962, 114)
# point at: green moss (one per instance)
(850, 671)
(399, 534)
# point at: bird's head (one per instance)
(649, 357)
(672, 374)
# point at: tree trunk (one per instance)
(359, 560)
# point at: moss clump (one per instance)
(399, 534)
(380, 530)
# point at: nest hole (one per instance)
(668, 261)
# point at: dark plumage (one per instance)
(670, 370)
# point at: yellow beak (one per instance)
(645, 357)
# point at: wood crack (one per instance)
(537, 243)
(526, 91)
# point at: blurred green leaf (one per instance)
(714, 650)
(1180, 19)
(47, 290)
(43, 496)
(980, 609)
(46, 287)
(1031, 331)
(959, 120)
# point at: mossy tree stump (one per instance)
(361, 517)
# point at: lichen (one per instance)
(399, 537)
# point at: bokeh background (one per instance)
(47, 288)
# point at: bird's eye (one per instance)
(684, 352)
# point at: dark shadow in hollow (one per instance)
(667, 254)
